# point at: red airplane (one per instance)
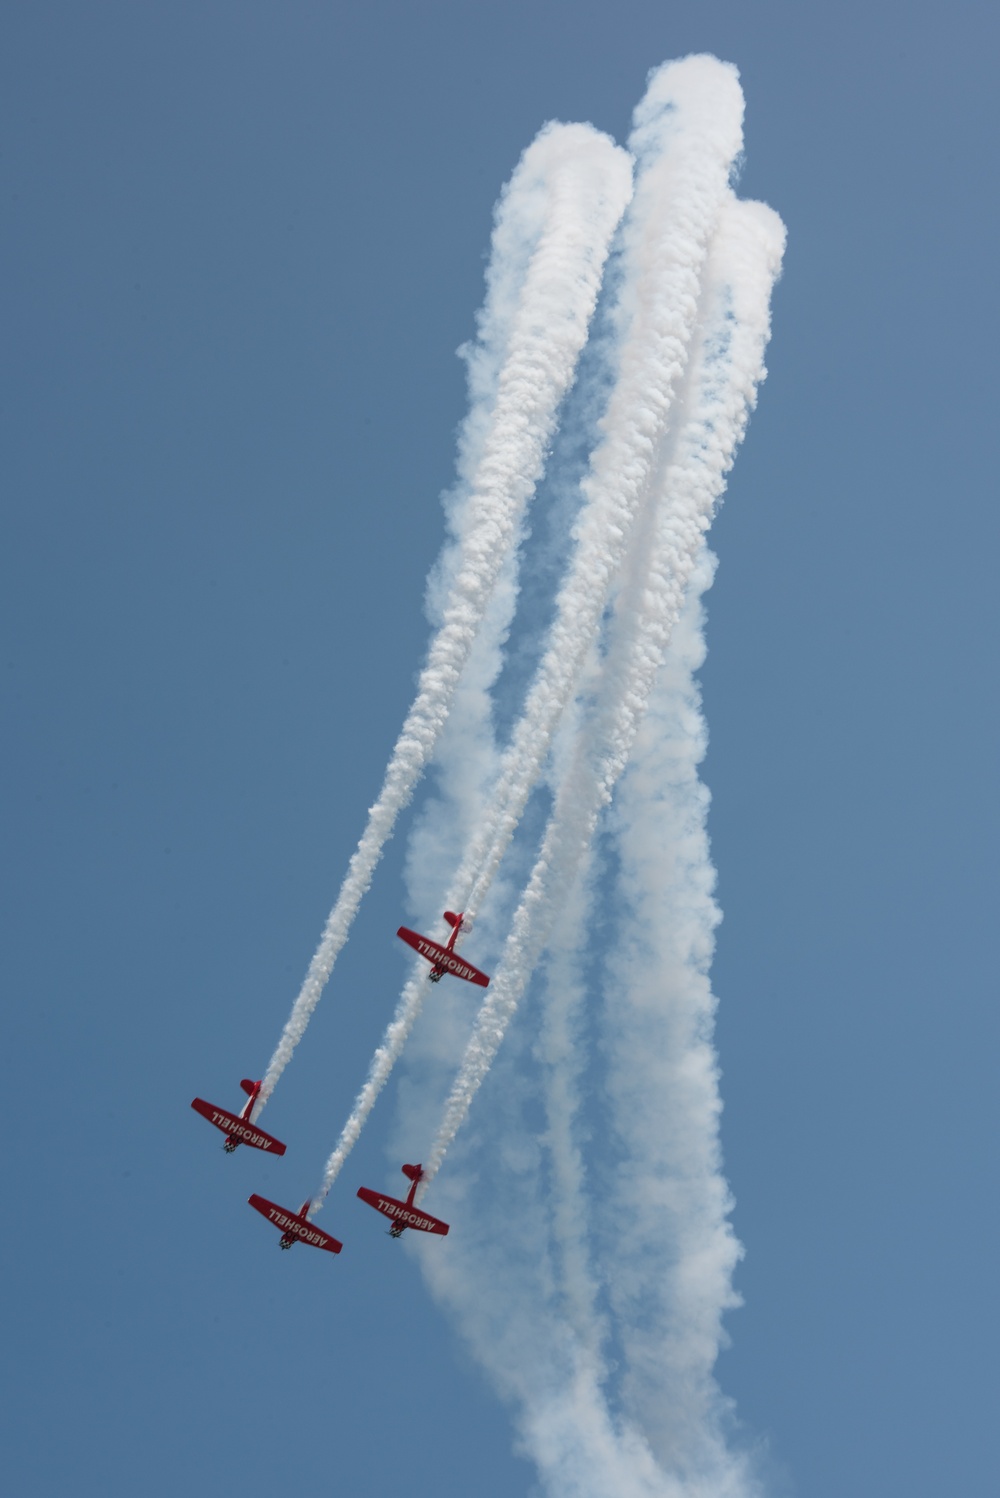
(403, 1214)
(239, 1130)
(444, 959)
(296, 1227)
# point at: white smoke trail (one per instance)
(666, 1438)
(669, 1277)
(746, 257)
(669, 1439)
(496, 1280)
(527, 1307)
(687, 135)
(591, 1210)
(668, 1184)
(561, 1051)
(566, 195)
(537, 1299)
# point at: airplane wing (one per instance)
(294, 1226)
(439, 956)
(400, 1213)
(238, 1128)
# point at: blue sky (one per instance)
(242, 246)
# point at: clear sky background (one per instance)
(241, 245)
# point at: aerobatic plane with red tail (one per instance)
(295, 1226)
(445, 959)
(237, 1128)
(404, 1214)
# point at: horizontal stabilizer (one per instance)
(250, 1088)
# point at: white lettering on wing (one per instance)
(403, 1214)
(237, 1129)
(296, 1227)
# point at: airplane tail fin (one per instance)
(413, 1172)
(250, 1088)
(461, 921)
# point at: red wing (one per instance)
(238, 1128)
(399, 1212)
(294, 1226)
(438, 956)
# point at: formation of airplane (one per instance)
(295, 1227)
